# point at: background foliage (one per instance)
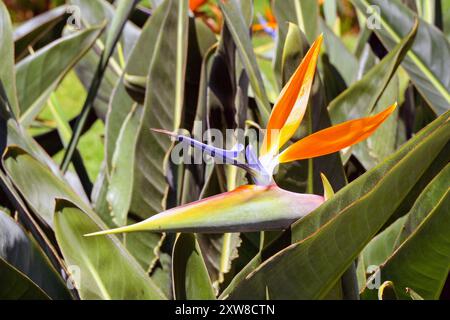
(76, 107)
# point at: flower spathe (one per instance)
(265, 206)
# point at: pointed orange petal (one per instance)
(269, 15)
(194, 4)
(257, 27)
(290, 106)
(335, 138)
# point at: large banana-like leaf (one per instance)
(145, 247)
(304, 13)
(22, 253)
(106, 270)
(31, 31)
(378, 249)
(190, 276)
(421, 260)
(383, 142)
(446, 18)
(37, 184)
(28, 220)
(219, 89)
(293, 12)
(340, 57)
(239, 31)
(12, 133)
(40, 187)
(429, 59)
(7, 71)
(94, 12)
(340, 228)
(37, 78)
(162, 108)
(85, 70)
(360, 98)
(123, 121)
(120, 185)
(19, 286)
(114, 31)
(294, 49)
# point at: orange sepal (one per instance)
(270, 17)
(335, 138)
(290, 106)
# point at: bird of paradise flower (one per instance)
(263, 205)
(267, 23)
(208, 12)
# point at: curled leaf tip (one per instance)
(328, 191)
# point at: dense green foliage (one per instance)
(78, 155)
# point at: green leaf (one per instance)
(239, 31)
(145, 247)
(295, 48)
(37, 78)
(120, 185)
(427, 69)
(117, 24)
(114, 31)
(19, 250)
(17, 286)
(37, 183)
(122, 129)
(162, 275)
(85, 71)
(342, 226)
(330, 12)
(124, 120)
(426, 10)
(31, 31)
(382, 245)
(304, 13)
(422, 259)
(383, 142)
(190, 276)
(361, 97)
(340, 57)
(219, 254)
(14, 134)
(7, 71)
(162, 107)
(446, 18)
(107, 271)
(94, 12)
